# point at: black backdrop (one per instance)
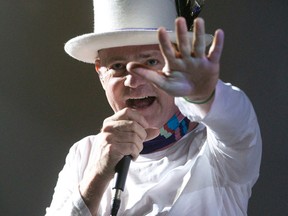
(49, 101)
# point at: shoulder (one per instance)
(83, 148)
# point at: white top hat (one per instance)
(124, 23)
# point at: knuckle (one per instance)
(125, 111)
(107, 127)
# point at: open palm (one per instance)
(188, 70)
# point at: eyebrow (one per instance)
(143, 55)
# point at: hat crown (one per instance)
(119, 23)
(111, 15)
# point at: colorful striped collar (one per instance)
(171, 132)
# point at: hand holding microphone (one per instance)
(122, 134)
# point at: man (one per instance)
(207, 156)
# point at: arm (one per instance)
(233, 134)
(121, 134)
(66, 198)
(90, 168)
(190, 73)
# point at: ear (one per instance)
(99, 72)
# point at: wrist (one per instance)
(91, 193)
(203, 101)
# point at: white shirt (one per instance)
(209, 172)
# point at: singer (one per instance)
(194, 140)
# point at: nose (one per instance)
(133, 80)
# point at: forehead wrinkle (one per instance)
(110, 59)
(148, 55)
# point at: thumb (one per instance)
(152, 133)
(139, 69)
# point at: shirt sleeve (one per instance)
(234, 142)
(67, 200)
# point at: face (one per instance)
(124, 89)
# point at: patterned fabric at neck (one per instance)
(172, 131)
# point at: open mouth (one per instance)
(140, 103)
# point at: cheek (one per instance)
(114, 93)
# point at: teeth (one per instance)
(139, 98)
(140, 102)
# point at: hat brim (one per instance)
(85, 47)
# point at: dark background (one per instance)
(48, 101)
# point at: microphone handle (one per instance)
(121, 170)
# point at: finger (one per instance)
(121, 149)
(128, 142)
(151, 75)
(128, 114)
(125, 136)
(216, 48)
(166, 46)
(123, 127)
(183, 41)
(199, 45)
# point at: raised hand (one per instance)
(188, 70)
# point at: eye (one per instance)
(152, 62)
(118, 67)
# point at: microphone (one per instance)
(121, 171)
